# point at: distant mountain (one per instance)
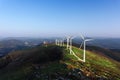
(50, 62)
(17, 43)
(115, 50)
(7, 46)
(111, 53)
(31, 41)
(109, 43)
(11, 43)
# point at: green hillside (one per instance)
(95, 65)
(55, 63)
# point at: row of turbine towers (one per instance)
(69, 39)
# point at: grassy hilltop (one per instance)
(54, 62)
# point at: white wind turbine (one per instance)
(59, 42)
(56, 42)
(63, 42)
(84, 43)
(71, 51)
(68, 41)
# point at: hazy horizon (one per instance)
(52, 18)
(55, 37)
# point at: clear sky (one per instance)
(35, 18)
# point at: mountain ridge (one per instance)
(54, 61)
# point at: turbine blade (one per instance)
(88, 39)
(81, 45)
(72, 37)
(82, 36)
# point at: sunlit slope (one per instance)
(95, 65)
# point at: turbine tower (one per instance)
(68, 42)
(71, 51)
(63, 42)
(70, 39)
(56, 42)
(84, 43)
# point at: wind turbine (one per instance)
(56, 42)
(70, 38)
(84, 43)
(68, 41)
(71, 51)
(63, 42)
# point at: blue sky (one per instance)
(35, 18)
